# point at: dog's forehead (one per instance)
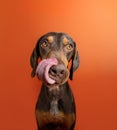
(61, 37)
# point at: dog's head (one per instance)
(56, 50)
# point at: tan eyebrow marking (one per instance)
(65, 40)
(50, 39)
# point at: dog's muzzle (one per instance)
(52, 72)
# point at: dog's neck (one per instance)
(55, 93)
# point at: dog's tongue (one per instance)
(43, 67)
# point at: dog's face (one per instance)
(60, 47)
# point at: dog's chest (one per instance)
(48, 121)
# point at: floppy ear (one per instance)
(75, 63)
(34, 59)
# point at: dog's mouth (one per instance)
(51, 72)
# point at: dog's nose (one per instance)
(57, 71)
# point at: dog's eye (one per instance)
(44, 43)
(69, 47)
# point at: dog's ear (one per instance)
(75, 63)
(34, 59)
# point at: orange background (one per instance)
(93, 25)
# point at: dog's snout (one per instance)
(57, 70)
(59, 73)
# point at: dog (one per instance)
(55, 108)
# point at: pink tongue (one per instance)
(43, 69)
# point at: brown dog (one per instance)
(55, 109)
